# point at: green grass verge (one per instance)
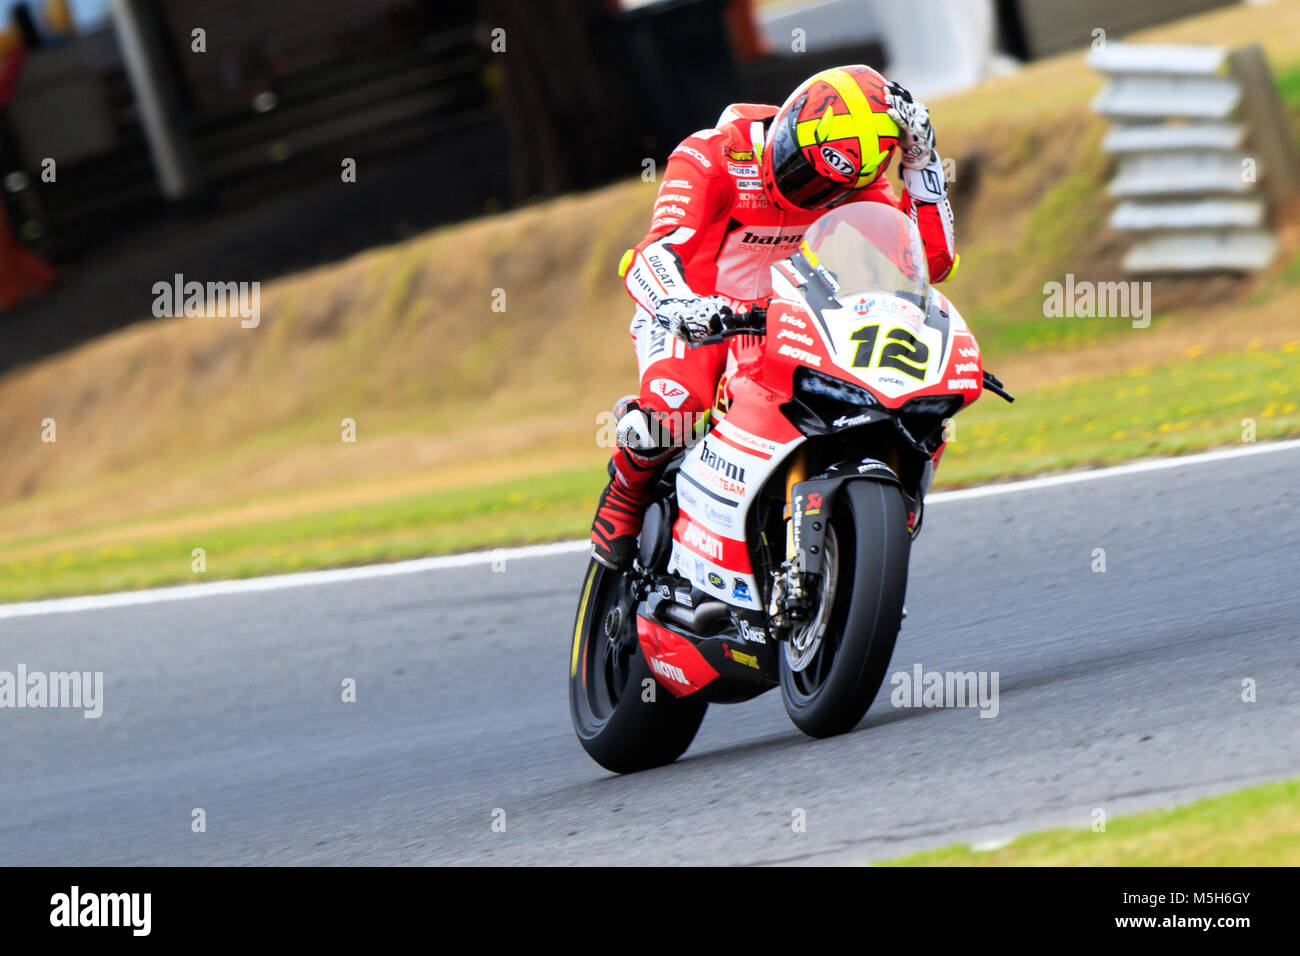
(1183, 406)
(543, 508)
(1258, 826)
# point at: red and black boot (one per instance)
(621, 509)
(632, 470)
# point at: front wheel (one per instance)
(624, 720)
(832, 668)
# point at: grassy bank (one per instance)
(1258, 826)
(1176, 407)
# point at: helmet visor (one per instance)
(796, 178)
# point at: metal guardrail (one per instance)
(1203, 155)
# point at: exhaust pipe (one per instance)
(700, 619)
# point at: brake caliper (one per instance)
(794, 595)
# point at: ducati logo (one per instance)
(702, 541)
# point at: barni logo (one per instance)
(669, 672)
(102, 909)
(672, 393)
(702, 541)
(720, 464)
(758, 239)
(637, 275)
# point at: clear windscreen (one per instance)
(870, 247)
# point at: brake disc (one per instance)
(804, 641)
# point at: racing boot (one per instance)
(632, 470)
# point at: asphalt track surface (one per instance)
(1117, 690)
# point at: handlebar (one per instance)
(753, 321)
(993, 384)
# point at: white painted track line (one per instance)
(276, 582)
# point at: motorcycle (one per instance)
(775, 548)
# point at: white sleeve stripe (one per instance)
(667, 258)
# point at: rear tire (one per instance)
(833, 692)
(615, 724)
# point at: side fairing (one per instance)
(716, 487)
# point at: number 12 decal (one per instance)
(902, 350)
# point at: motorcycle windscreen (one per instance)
(870, 247)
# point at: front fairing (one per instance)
(875, 339)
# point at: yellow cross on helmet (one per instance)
(830, 138)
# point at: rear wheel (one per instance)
(831, 669)
(624, 723)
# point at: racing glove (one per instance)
(922, 168)
(916, 137)
(692, 319)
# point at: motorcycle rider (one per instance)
(734, 200)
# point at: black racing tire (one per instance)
(616, 724)
(832, 694)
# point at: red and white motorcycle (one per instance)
(775, 549)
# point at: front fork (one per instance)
(789, 601)
(796, 473)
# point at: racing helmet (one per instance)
(831, 138)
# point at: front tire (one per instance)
(832, 691)
(616, 725)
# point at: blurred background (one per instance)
(503, 145)
(155, 131)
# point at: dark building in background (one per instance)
(140, 111)
(146, 118)
(221, 153)
(142, 116)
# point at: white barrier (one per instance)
(1202, 152)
